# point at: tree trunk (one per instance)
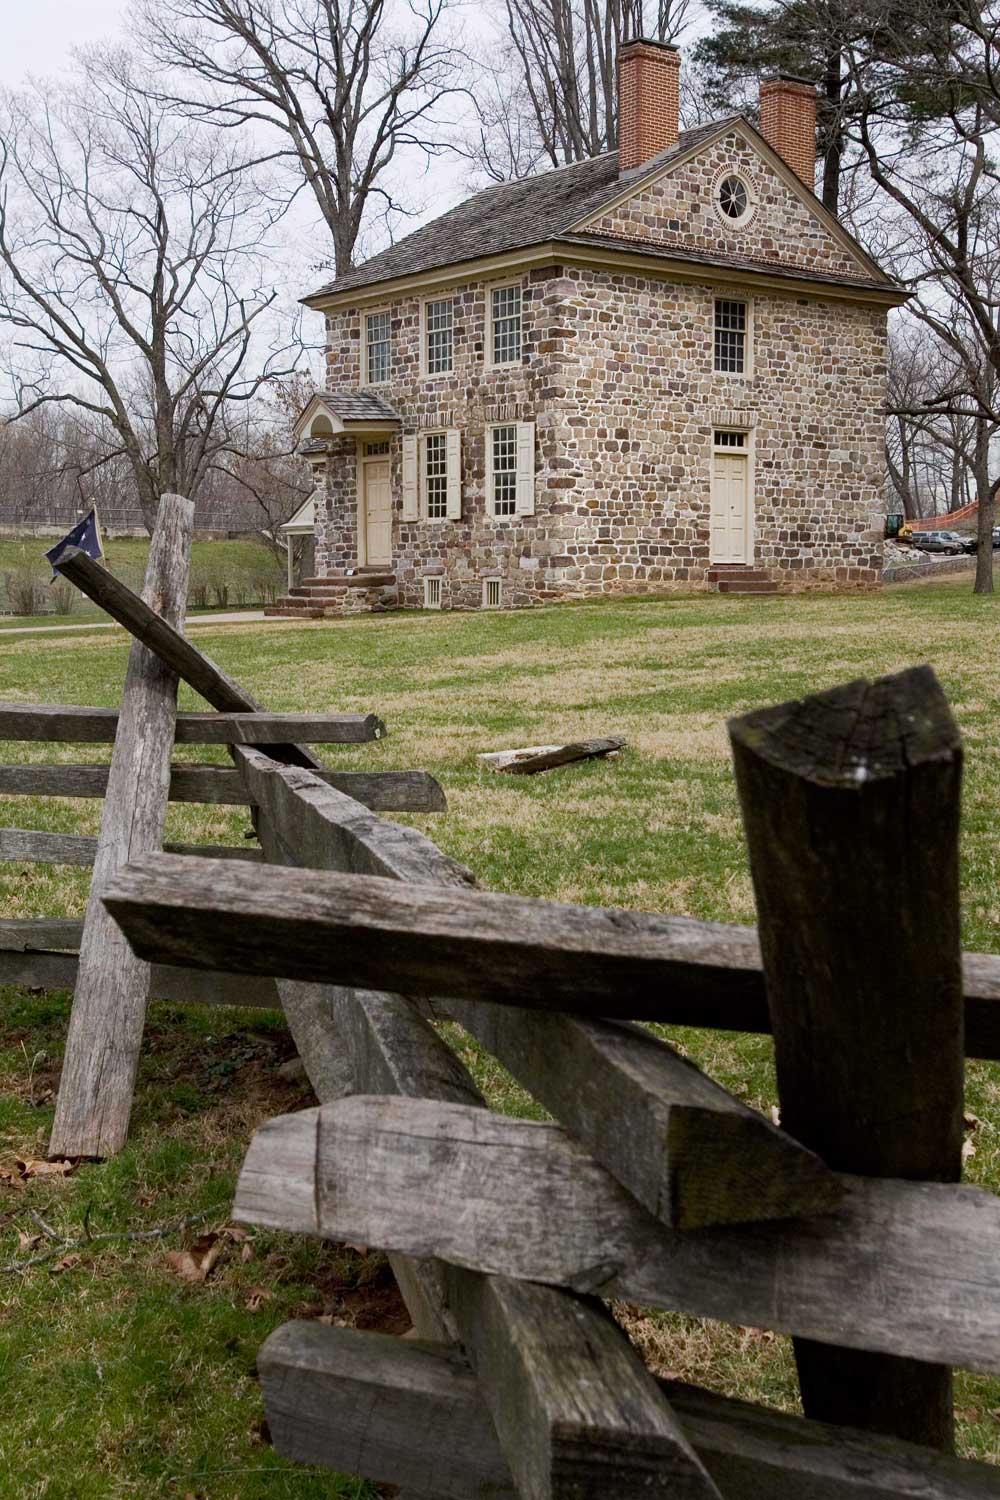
(833, 85)
(984, 494)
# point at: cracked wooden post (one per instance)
(850, 803)
(112, 986)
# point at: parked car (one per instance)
(949, 542)
(996, 537)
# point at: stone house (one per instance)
(661, 367)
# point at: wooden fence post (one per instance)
(112, 986)
(850, 803)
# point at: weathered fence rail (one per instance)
(905, 1274)
(650, 1181)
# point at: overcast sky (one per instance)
(38, 34)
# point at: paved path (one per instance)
(235, 617)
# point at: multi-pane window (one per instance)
(436, 475)
(730, 337)
(503, 470)
(439, 318)
(727, 439)
(505, 318)
(378, 347)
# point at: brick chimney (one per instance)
(648, 101)
(788, 123)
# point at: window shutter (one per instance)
(411, 504)
(454, 452)
(489, 471)
(525, 502)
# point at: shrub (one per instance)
(63, 596)
(26, 592)
(198, 591)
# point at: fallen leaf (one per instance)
(246, 1253)
(258, 1294)
(234, 1232)
(28, 1241)
(32, 1168)
(967, 1413)
(197, 1263)
(972, 1122)
(65, 1263)
(995, 1413)
(775, 1115)
(968, 1149)
(358, 1249)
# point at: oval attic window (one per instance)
(734, 200)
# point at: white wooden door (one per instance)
(730, 508)
(378, 513)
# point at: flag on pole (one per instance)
(86, 535)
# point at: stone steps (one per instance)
(740, 578)
(339, 594)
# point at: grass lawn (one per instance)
(122, 1378)
(224, 575)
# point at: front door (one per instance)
(731, 527)
(378, 512)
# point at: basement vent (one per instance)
(492, 593)
(432, 593)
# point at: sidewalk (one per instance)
(235, 617)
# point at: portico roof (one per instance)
(332, 413)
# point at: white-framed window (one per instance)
(505, 324)
(378, 347)
(510, 469)
(439, 336)
(501, 468)
(435, 476)
(377, 450)
(732, 336)
(432, 593)
(492, 593)
(727, 440)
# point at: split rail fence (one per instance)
(846, 1227)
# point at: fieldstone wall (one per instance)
(617, 374)
(679, 209)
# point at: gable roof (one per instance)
(559, 206)
(510, 216)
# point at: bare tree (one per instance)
(131, 271)
(926, 120)
(549, 89)
(340, 89)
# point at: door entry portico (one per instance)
(375, 538)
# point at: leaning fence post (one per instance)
(112, 986)
(850, 802)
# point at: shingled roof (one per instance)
(536, 210)
(511, 216)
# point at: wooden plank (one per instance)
(851, 805)
(431, 940)
(36, 934)
(30, 847)
(576, 1411)
(164, 639)
(68, 723)
(112, 984)
(722, 1162)
(899, 1267)
(31, 969)
(322, 830)
(409, 1413)
(535, 758)
(322, 827)
(392, 1049)
(613, 1085)
(386, 791)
